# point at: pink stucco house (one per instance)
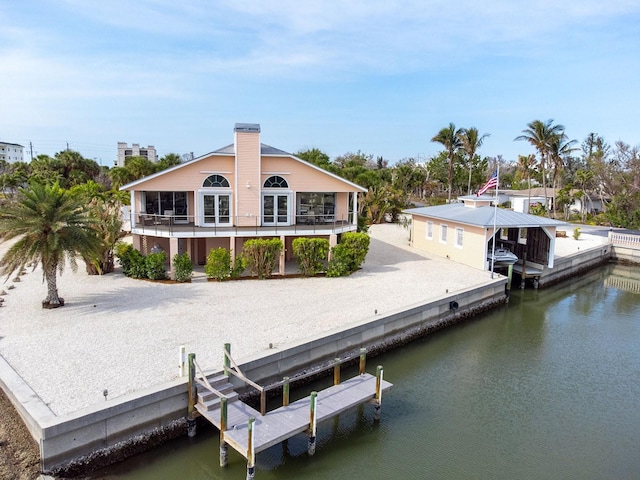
(241, 191)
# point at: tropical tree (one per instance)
(449, 137)
(559, 149)
(169, 160)
(471, 141)
(526, 164)
(541, 135)
(104, 207)
(51, 226)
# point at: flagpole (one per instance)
(495, 217)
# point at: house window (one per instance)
(428, 231)
(504, 234)
(315, 207)
(522, 236)
(216, 181)
(275, 181)
(459, 237)
(166, 203)
(443, 234)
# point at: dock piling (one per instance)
(227, 361)
(251, 464)
(363, 360)
(191, 386)
(336, 371)
(312, 423)
(285, 391)
(378, 397)
(223, 428)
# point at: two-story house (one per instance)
(241, 191)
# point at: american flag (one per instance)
(491, 183)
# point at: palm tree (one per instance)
(51, 227)
(559, 149)
(449, 137)
(525, 165)
(541, 135)
(471, 141)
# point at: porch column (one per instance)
(333, 241)
(232, 251)
(173, 249)
(283, 262)
(355, 208)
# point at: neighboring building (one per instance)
(464, 232)
(11, 152)
(519, 198)
(241, 191)
(124, 152)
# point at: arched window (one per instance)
(215, 181)
(275, 181)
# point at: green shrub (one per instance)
(238, 267)
(132, 261)
(261, 255)
(155, 268)
(340, 263)
(182, 266)
(218, 264)
(311, 254)
(576, 233)
(349, 254)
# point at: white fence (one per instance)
(625, 240)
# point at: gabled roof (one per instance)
(265, 150)
(483, 216)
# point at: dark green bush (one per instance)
(311, 254)
(262, 255)
(155, 268)
(132, 261)
(349, 254)
(182, 267)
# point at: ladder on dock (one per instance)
(249, 431)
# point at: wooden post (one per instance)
(363, 360)
(251, 466)
(285, 392)
(227, 362)
(336, 371)
(378, 398)
(182, 357)
(509, 276)
(223, 428)
(312, 423)
(524, 269)
(263, 402)
(191, 386)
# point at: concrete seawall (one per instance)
(570, 265)
(100, 435)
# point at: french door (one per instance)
(276, 209)
(216, 209)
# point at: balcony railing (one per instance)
(185, 226)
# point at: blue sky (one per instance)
(381, 77)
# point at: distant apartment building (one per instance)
(11, 152)
(124, 152)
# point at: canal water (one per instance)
(547, 387)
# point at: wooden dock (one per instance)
(249, 431)
(287, 421)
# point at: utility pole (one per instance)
(67, 146)
(31, 150)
